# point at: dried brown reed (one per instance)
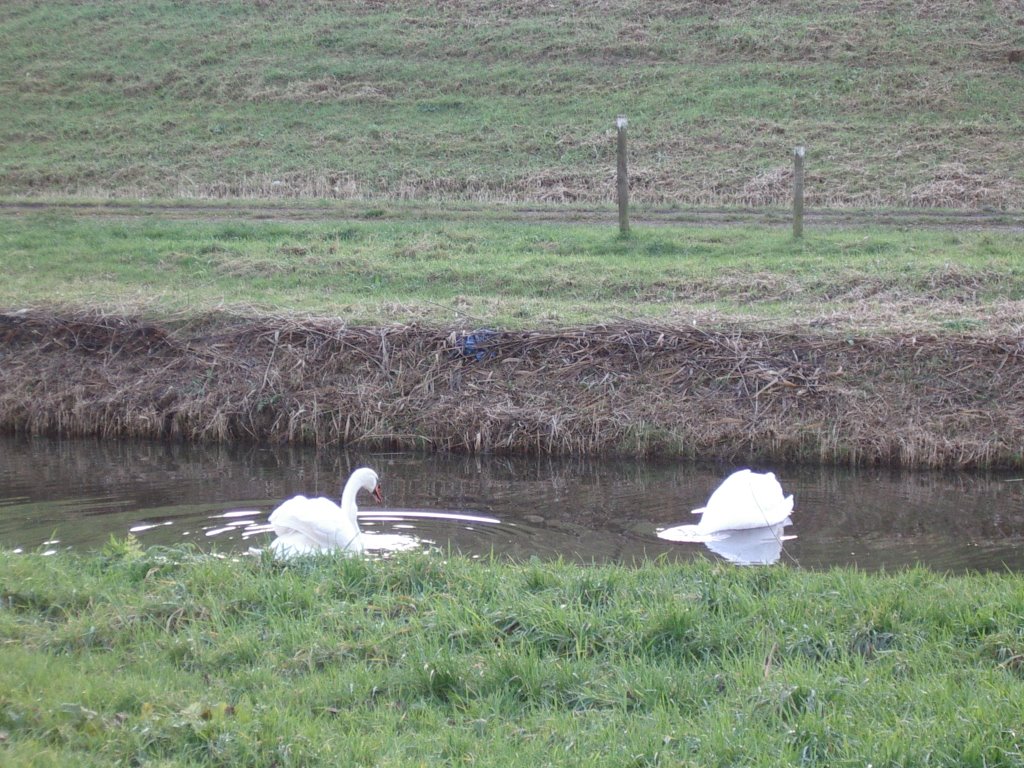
(955, 186)
(730, 392)
(949, 187)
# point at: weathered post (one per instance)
(622, 177)
(798, 192)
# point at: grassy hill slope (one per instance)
(900, 102)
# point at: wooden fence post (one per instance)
(798, 192)
(622, 177)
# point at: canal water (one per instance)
(74, 495)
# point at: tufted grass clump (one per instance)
(169, 656)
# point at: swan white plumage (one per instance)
(744, 500)
(314, 525)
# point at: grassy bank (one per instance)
(858, 346)
(164, 658)
(905, 103)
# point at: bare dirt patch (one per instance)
(350, 210)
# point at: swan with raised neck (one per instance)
(306, 525)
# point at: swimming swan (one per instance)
(744, 500)
(314, 525)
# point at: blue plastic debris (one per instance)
(474, 344)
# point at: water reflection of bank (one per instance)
(80, 492)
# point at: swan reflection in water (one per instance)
(753, 546)
(746, 546)
(408, 529)
(743, 520)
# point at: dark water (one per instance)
(76, 494)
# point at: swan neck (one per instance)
(348, 498)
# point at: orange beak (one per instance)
(378, 494)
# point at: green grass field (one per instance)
(902, 103)
(161, 658)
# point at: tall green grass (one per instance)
(912, 102)
(161, 657)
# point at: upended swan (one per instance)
(743, 501)
(306, 525)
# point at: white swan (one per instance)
(313, 525)
(745, 499)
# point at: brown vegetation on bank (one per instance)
(612, 389)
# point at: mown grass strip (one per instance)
(516, 275)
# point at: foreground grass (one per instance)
(428, 267)
(907, 102)
(162, 657)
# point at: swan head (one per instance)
(365, 479)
